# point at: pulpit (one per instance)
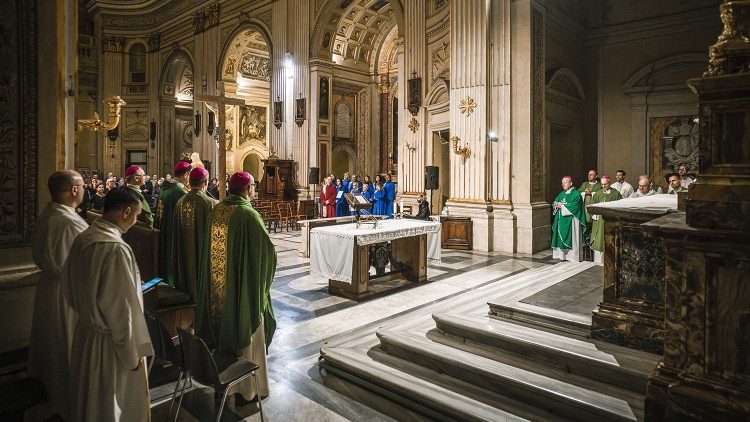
(279, 180)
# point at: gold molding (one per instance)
(467, 106)
(95, 124)
(413, 125)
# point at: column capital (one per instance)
(112, 44)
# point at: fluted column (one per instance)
(278, 136)
(301, 45)
(110, 77)
(383, 88)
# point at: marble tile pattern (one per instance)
(307, 316)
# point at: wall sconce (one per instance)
(211, 125)
(464, 152)
(197, 125)
(114, 106)
(152, 133)
(112, 136)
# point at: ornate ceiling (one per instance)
(248, 57)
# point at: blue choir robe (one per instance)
(368, 194)
(345, 184)
(342, 208)
(390, 194)
(379, 202)
(370, 190)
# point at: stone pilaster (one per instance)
(110, 83)
(279, 80)
(301, 144)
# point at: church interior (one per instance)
(478, 106)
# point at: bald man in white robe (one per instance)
(52, 322)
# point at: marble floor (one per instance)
(307, 316)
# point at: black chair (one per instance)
(201, 365)
(167, 361)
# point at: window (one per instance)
(137, 158)
(137, 63)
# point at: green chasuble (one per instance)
(597, 228)
(170, 193)
(563, 225)
(146, 215)
(190, 216)
(236, 272)
(594, 187)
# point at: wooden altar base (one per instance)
(409, 254)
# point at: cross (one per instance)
(221, 102)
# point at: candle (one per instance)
(401, 205)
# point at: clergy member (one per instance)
(171, 192)
(675, 185)
(328, 198)
(685, 179)
(606, 194)
(625, 188)
(134, 179)
(644, 188)
(52, 321)
(189, 232)
(390, 194)
(108, 379)
(568, 226)
(591, 185)
(234, 309)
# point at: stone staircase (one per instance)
(465, 361)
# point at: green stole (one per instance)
(146, 215)
(597, 227)
(236, 272)
(562, 226)
(190, 216)
(170, 193)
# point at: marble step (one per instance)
(550, 394)
(541, 317)
(608, 363)
(414, 392)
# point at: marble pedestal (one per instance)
(705, 370)
(631, 312)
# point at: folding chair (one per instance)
(201, 365)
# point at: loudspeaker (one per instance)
(314, 177)
(431, 177)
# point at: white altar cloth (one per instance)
(331, 248)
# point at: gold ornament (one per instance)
(467, 106)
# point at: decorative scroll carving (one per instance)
(537, 109)
(206, 18)
(440, 62)
(363, 127)
(255, 67)
(154, 41)
(112, 44)
(18, 121)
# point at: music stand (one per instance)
(361, 204)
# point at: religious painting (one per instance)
(414, 90)
(323, 130)
(674, 141)
(300, 110)
(323, 103)
(252, 124)
(323, 158)
(278, 113)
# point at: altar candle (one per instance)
(401, 205)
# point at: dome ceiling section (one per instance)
(248, 58)
(355, 30)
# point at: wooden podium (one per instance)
(279, 180)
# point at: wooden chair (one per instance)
(283, 214)
(294, 216)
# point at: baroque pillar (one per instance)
(383, 88)
(303, 153)
(278, 135)
(110, 77)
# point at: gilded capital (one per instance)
(112, 44)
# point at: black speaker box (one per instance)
(314, 177)
(431, 177)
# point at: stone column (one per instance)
(527, 128)
(301, 145)
(70, 74)
(383, 88)
(279, 48)
(110, 83)
(154, 85)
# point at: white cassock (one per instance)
(52, 322)
(103, 286)
(625, 188)
(574, 253)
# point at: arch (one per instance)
(173, 70)
(351, 156)
(668, 73)
(438, 92)
(254, 25)
(251, 163)
(135, 134)
(564, 81)
(136, 66)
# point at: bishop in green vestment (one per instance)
(568, 226)
(171, 192)
(134, 179)
(190, 216)
(234, 309)
(606, 194)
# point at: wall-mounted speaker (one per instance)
(431, 177)
(314, 176)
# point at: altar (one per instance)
(345, 253)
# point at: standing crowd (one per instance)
(89, 341)
(381, 192)
(573, 226)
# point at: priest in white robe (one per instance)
(52, 322)
(108, 373)
(622, 186)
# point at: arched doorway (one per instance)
(176, 132)
(342, 161)
(246, 71)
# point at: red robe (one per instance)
(328, 201)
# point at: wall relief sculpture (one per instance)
(674, 141)
(255, 67)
